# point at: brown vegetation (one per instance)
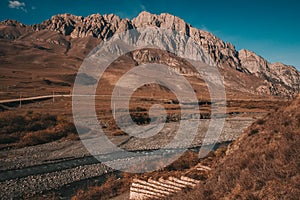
(33, 128)
(114, 186)
(263, 164)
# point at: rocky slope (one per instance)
(77, 31)
(12, 29)
(280, 78)
(96, 25)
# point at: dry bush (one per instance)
(34, 128)
(112, 187)
(260, 121)
(253, 131)
(186, 161)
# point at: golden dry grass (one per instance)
(33, 128)
(263, 164)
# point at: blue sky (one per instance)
(270, 28)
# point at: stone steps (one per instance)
(203, 168)
(152, 189)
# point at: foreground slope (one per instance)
(264, 163)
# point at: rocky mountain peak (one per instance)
(164, 20)
(10, 22)
(279, 79)
(222, 53)
(63, 23)
(12, 29)
(277, 74)
(95, 25)
(253, 62)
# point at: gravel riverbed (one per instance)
(54, 154)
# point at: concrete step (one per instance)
(152, 189)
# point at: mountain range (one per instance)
(59, 45)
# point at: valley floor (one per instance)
(40, 168)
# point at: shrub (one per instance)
(112, 187)
(33, 129)
(41, 137)
(187, 160)
(253, 131)
(260, 121)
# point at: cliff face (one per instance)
(96, 25)
(282, 79)
(277, 79)
(223, 53)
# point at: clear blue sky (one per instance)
(270, 28)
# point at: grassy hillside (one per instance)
(264, 163)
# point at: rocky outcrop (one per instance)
(10, 22)
(179, 65)
(281, 79)
(12, 29)
(104, 26)
(221, 52)
(96, 25)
